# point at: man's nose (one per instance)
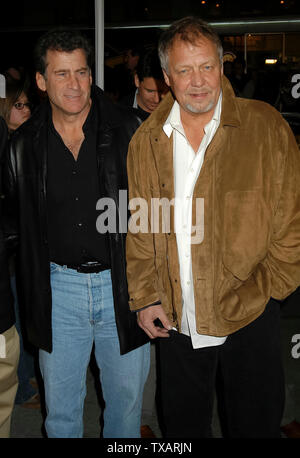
(156, 97)
(73, 81)
(197, 78)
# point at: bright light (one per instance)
(203, 2)
(271, 61)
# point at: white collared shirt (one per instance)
(135, 104)
(187, 166)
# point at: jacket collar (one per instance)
(230, 115)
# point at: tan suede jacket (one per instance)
(250, 182)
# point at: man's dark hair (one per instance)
(188, 29)
(60, 40)
(149, 65)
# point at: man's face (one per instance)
(150, 92)
(67, 81)
(194, 74)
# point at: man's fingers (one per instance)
(153, 331)
(149, 334)
(147, 317)
(165, 322)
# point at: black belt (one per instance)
(91, 267)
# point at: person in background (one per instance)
(124, 72)
(208, 283)
(15, 109)
(9, 339)
(149, 82)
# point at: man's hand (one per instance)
(146, 318)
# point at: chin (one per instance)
(198, 109)
(74, 109)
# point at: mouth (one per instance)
(198, 95)
(72, 97)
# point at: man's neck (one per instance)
(193, 125)
(70, 129)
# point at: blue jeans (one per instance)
(83, 315)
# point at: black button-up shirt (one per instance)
(73, 190)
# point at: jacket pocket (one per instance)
(240, 300)
(245, 245)
(246, 232)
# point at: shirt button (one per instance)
(188, 283)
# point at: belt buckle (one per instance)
(89, 267)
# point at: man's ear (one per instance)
(167, 79)
(40, 81)
(136, 81)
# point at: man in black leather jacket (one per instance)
(70, 155)
(9, 339)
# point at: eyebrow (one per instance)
(68, 70)
(207, 61)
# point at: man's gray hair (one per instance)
(187, 29)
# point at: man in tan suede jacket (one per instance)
(224, 247)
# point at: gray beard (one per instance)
(195, 110)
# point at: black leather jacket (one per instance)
(7, 317)
(25, 176)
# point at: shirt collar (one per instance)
(135, 104)
(173, 121)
